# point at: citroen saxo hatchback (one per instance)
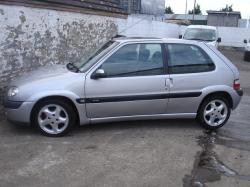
(129, 79)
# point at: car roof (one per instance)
(201, 27)
(135, 38)
(151, 39)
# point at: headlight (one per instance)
(13, 91)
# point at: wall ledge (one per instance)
(65, 7)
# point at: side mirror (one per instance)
(219, 40)
(98, 74)
(245, 41)
(180, 36)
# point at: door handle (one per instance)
(169, 83)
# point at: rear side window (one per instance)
(184, 58)
(135, 60)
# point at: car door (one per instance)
(134, 83)
(191, 70)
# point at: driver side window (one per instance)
(135, 60)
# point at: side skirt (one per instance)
(144, 117)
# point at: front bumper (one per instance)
(18, 112)
(12, 104)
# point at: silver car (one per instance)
(129, 79)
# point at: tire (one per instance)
(211, 110)
(54, 118)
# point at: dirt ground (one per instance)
(167, 153)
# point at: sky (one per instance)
(243, 6)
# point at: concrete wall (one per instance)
(233, 37)
(242, 23)
(223, 20)
(32, 37)
(146, 26)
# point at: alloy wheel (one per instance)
(215, 113)
(53, 119)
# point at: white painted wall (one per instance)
(233, 36)
(145, 26)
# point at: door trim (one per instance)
(138, 97)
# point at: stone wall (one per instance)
(33, 37)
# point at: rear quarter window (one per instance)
(185, 58)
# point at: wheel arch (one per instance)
(200, 116)
(223, 94)
(56, 97)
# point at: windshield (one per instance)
(85, 63)
(200, 34)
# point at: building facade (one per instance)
(186, 19)
(223, 19)
(131, 6)
(153, 7)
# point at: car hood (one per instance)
(48, 81)
(46, 72)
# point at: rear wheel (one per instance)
(54, 117)
(214, 112)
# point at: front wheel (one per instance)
(54, 117)
(214, 112)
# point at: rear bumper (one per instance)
(236, 96)
(18, 112)
(240, 92)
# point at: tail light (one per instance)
(237, 84)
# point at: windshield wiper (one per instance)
(199, 39)
(196, 39)
(72, 67)
(209, 40)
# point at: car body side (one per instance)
(71, 87)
